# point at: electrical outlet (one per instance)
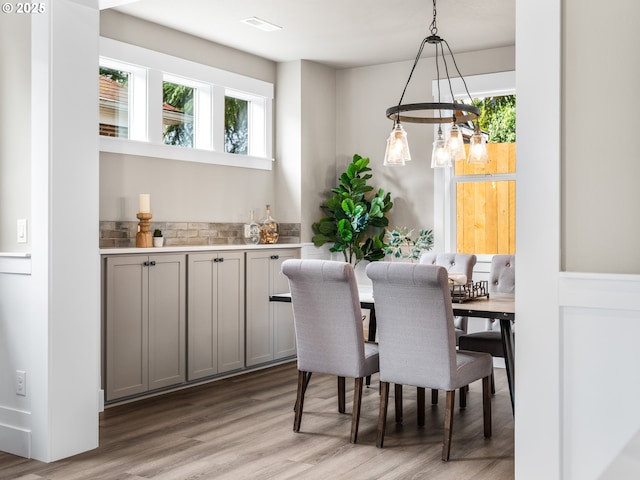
(21, 383)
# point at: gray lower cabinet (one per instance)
(145, 320)
(270, 333)
(215, 322)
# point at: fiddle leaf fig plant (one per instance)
(355, 222)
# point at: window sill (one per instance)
(145, 149)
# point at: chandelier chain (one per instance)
(433, 27)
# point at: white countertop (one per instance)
(194, 248)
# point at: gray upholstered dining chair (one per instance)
(329, 332)
(502, 279)
(417, 341)
(456, 263)
(460, 264)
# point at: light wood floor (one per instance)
(241, 428)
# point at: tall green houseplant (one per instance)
(355, 221)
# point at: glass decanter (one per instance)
(268, 228)
(251, 231)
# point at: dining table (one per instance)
(495, 306)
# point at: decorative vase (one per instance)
(251, 231)
(268, 228)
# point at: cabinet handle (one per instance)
(221, 259)
(146, 264)
(152, 263)
(216, 260)
(275, 257)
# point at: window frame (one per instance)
(150, 68)
(445, 182)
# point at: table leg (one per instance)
(509, 357)
(372, 325)
(372, 334)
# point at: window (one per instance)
(236, 125)
(475, 204)
(114, 102)
(214, 116)
(177, 114)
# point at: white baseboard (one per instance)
(15, 441)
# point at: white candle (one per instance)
(145, 203)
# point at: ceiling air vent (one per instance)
(261, 24)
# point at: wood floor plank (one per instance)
(242, 428)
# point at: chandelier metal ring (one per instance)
(395, 112)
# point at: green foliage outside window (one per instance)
(181, 98)
(236, 126)
(498, 118)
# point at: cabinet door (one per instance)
(167, 320)
(230, 311)
(202, 320)
(215, 313)
(126, 325)
(259, 330)
(284, 335)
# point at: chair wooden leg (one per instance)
(493, 384)
(421, 401)
(307, 379)
(398, 402)
(357, 402)
(486, 405)
(463, 397)
(434, 396)
(382, 414)
(302, 382)
(448, 424)
(341, 395)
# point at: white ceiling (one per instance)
(339, 33)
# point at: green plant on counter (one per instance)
(401, 245)
(157, 232)
(355, 222)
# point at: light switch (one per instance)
(22, 230)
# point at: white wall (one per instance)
(15, 202)
(601, 160)
(577, 356)
(15, 168)
(50, 314)
(318, 160)
(288, 127)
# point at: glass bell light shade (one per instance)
(440, 156)
(478, 149)
(455, 143)
(397, 152)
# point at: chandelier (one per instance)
(445, 149)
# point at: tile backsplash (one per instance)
(123, 234)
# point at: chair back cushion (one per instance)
(414, 315)
(460, 263)
(327, 317)
(502, 276)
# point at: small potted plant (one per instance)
(401, 244)
(158, 239)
